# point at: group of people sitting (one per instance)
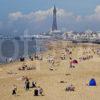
(70, 88)
(25, 67)
(38, 57)
(35, 57)
(88, 57)
(38, 91)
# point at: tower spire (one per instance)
(54, 25)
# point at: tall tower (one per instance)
(54, 25)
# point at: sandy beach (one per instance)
(55, 77)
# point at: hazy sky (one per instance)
(33, 16)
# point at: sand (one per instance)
(49, 80)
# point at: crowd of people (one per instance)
(38, 91)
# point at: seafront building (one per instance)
(82, 36)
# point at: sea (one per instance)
(14, 49)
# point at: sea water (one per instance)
(14, 49)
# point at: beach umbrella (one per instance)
(92, 82)
(75, 61)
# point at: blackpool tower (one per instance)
(54, 25)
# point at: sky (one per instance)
(35, 16)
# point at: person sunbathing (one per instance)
(70, 88)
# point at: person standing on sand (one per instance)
(14, 90)
(27, 84)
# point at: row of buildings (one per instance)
(74, 36)
(58, 34)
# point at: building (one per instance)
(55, 33)
(54, 24)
